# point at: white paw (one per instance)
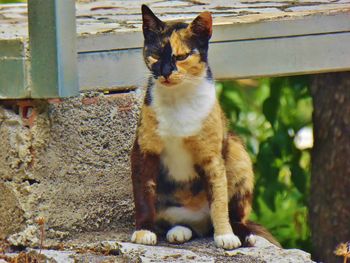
(179, 234)
(227, 241)
(250, 240)
(144, 237)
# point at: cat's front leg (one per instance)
(145, 167)
(216, 176)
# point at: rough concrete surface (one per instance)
(200, 250)
(66, 161)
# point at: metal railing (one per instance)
(45, 65)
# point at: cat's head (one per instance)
(176, 52)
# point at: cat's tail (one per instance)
(243, 230)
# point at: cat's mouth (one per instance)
(167, 82)
(171, 81)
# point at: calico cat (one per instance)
(191, 177)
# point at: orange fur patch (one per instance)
(208, 146)
(188, 200)
(192, 64)
(177, 42)
(227, 178)
(148, 138)
(208, 143)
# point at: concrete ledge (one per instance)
(66, 161)
(199, 250)
(204, 250)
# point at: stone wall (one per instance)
(67, 161)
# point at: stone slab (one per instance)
(196, 251)
(204, 250)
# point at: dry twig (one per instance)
(343, 250)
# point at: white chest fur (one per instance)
(181, 110)
(177, 159)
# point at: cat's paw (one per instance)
(227, 241)
(179, 234)
(144, 237)
(250, 240)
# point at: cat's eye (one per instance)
(181, 57)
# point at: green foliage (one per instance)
(267, 114)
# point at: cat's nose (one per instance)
(166, 71)
(166, 76)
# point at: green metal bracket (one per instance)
(12, 69)
(53, 54)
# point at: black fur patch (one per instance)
(197, 186)
(167, 63)
(237, 206)
(164, 184)
(209, 74)
(148, 96)
(201, 173)
(166, 188)
(162, 226)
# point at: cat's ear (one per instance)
(149, 21)
(201, 26)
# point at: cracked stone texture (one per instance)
(200, 250)
(67, 161)
(203, 250)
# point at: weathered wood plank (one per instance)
(232, 59)
(299, 36)
(309, 25)
(107, 18)
(117, 69)
(281, 56)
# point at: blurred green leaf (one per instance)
(270, 107)
(267, 114)
(299, 178)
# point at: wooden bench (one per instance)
(251, 39)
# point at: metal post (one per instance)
(52, 33)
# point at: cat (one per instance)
(191, 177)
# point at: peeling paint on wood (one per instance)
(109, 37)
(99, 17)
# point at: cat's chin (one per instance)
(168, 84)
